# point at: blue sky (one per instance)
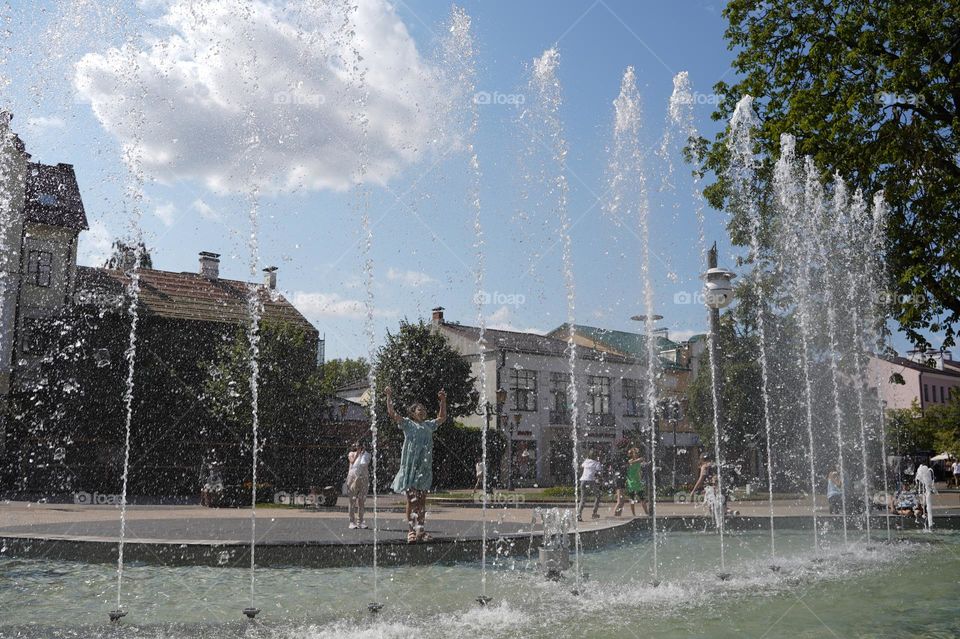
(422, 225)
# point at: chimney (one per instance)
(270, 277)
(437, 317)
(210, 265)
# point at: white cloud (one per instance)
(415, 279)
(205, 210)
(95, 245)
(164, 212)
(45, 123)
(324, 305)
(302, 121)
(502, 320)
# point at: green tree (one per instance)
(288, 401)
(417, 362)
(937, 428)
(123, 255)
(340, 372)
(871, 90)
(742, 417)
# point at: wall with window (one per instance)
(48, 261)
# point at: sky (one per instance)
(208, 99)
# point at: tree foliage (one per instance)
(417, 362)
(124, 256)
(871, 90)
(340, 372)
(937, 428)
(288, 394)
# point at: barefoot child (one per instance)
(416, 460)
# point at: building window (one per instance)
(39, 268)
(632, 397)
(523, 385)
(598, 395)
(926, 395)
(36, 338)
(559, 409)
(47, 199)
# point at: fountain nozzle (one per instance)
(251, 612)
(374, 607)
(117, 615)
(774, 567)
(483, 600)
(723, 576)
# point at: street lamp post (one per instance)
(487, 410)
(717, 294)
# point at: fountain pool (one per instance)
(907, 588)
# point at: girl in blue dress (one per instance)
(415, 476)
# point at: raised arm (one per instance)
(391, 413)
(442, 413)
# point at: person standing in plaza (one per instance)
(358, 483)
(415, 477)
(956, 473)
(637, 481)
(478, 467)
(589, 482)
(835, 492)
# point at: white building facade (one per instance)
(537, 415)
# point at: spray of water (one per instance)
(818, 212)
(743, 175)
(361, 119)
(876, 281)
(545, 86)
(628, 189)
(795, 266)
(854, 243)
(458, 56)
(133, 158)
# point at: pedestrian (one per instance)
(415, 477)
(835, 492)
(479, 470)
(956, 473)
(358, 483)
(589, 482)
(713, 497)
(637, 475)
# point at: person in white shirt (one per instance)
(358, 483)
(956, 474)
(589, 482)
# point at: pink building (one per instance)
(928, 385)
